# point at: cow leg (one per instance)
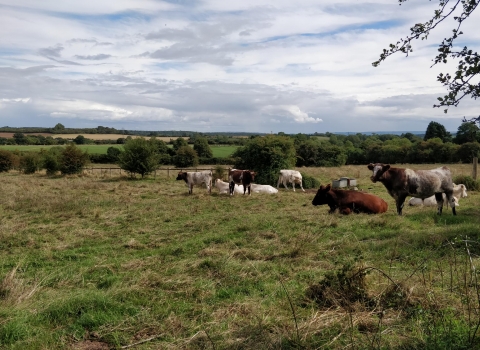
(231, 187)
(285, 184)
(451, 201)
(301, 186)
(345, 211)
(439, 199)
(293, 185)
(400, 201)
(190, 189)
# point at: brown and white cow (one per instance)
(347, 201)
(196, 178)
(403, 182)
(240, 177)
(290, 176)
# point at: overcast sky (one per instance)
(222, 65)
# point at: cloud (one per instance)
(93, 57)
(54, 51)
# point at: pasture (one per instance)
(219, 151)
(98, 261)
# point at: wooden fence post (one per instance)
(168, 172)
(474, 170)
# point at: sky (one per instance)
(222, 65)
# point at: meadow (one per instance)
(219, 151)
(100, 262)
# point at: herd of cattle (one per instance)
(427, 187)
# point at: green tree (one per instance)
(435, 129)
(113, 153)
(80, 140)
(7, 161)
(30, 162)
(179, 142)
(467, 151)
(467, 132)
(202, 148)
(464, 81)
(20, 138)
(185, 157)
(72, 160)
(59, 128)
(139, 156)
(267, 156)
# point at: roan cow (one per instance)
(196, 178)
(290, 176)
(240, 177)
(459, 191)
(224, 187)
(403, 182)
(347, 201)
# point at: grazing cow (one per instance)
(263, 189)
(403, 182)
(243, 177)
(349, 201)
(224, 187)
(459, 191)
(290, 176)
(196, 178)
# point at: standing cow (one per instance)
(403, 182)
(290, 176)
(240, 177)
(196, 178)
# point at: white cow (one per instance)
(263, 189)
(224, 187)
(196, 178)
(290, 176)
(459, 191)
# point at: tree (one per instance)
(58, 128)
(139, 156)
(435, 129)
(202, 148)
(267, 156)
(72, 160)
(179, 142)
(467, 132)
(467, 151)
(185, 157)
(80, 140)
(7, 160)
(463, 82)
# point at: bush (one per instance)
(7, 161)
(309, 181)
(467, 151)
(30, 163)
(202, 148)
(185, 157)
(139, 156)
(72, 160)
(216, 161)
(468, 181)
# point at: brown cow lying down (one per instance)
(349, 201)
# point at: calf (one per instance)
(196, 178)
(349, 201)
(224, 187)
(290, 176)
(264, 189)
(243, 177)
(403, 182)
(430, 201)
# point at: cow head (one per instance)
(322, 195)
(253, 175)
(378, 170)
(182, 176)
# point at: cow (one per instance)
(263, 189)
(290, 176)
(224, 187)
(459, 191)
(196, 178)
(403, 182)
(243, 177)
(347, 201)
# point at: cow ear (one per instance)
(370, 166)
(328, 187)
(386, 167)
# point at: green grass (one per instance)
(218, 151)
(115, 261)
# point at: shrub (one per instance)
(202, 148)
(30, 163)
(467, 151)
(309, 181)
(72, 160)
(185, 157)
(7, 160)
(468, 181)
(139, 156)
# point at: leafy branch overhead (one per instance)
(464, 82)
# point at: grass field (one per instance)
(218, 151)
(100, 262)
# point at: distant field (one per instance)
(88, 136)
(218, 151)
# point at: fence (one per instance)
(120, 171)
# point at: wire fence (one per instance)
(169, 171)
